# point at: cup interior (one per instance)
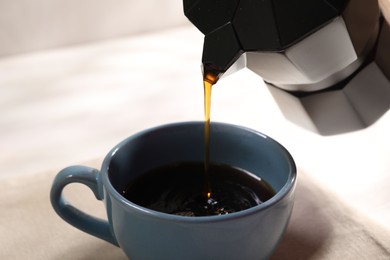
(229, 144)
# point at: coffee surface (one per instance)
(180, 189)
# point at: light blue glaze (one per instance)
(145, 234)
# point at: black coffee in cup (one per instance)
(180, 189)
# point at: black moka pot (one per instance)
(326, 62)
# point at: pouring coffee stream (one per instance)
(207, 107)
(209, 79)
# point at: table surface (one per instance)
(70, 105)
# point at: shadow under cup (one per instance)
(249, 234)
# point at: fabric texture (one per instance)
(321, 227)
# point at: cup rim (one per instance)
(283, 192)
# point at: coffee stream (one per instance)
(208, 82)
(207, 106)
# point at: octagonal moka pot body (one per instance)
(326, 63)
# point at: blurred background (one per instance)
(77, 77)
(66, 67)
(27, 26)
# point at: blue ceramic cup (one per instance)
(146, 234)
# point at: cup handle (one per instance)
(77, 218)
